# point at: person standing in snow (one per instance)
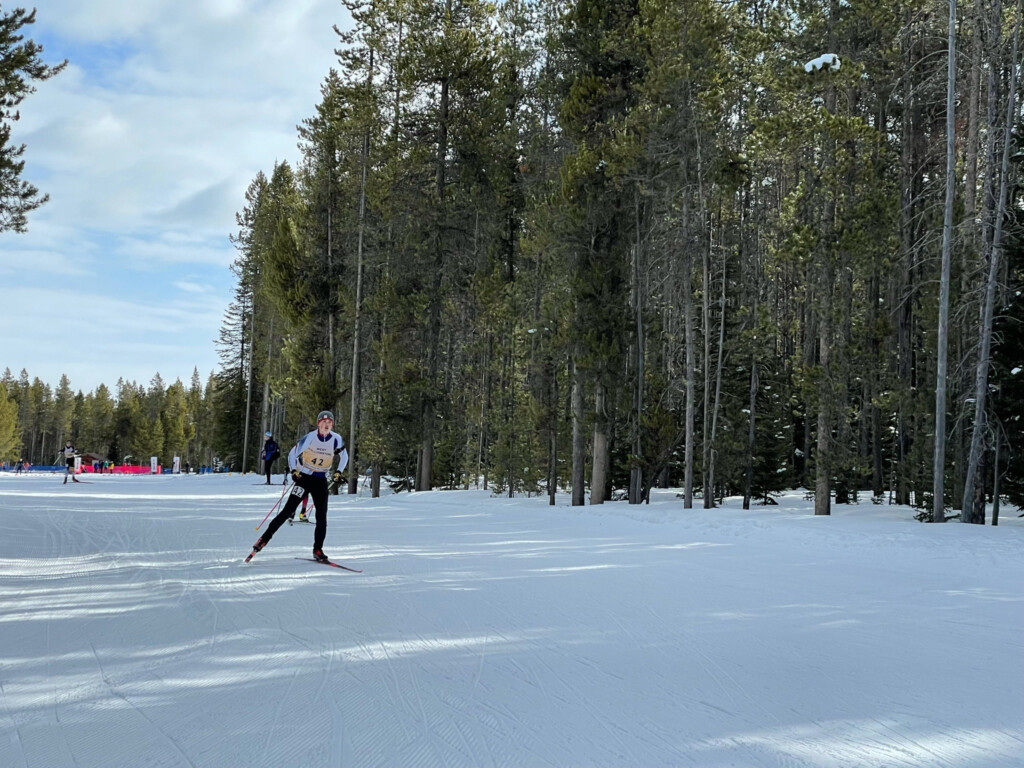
(271, 451)
(310, 461)
(69, 462)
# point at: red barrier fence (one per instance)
(123, 469)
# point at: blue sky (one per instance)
(146, 144)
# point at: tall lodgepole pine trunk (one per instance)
(426, 458)
(709, 486)
(578, 440)
(267, 419)
(824, 442)
(636, 478)
(553, 438)
(995, 480)
(690, 374)
(824, 448)
(248, 389)
(751, 433)
(353, 471)
(703, 230)
(971, 511)
(599, 470)
(706, 431)
(939, 457)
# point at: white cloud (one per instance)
(184, 285)
(16, 262)
(146, 144)
(151, 254)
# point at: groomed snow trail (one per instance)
(494, 633)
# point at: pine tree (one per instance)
(20, 65)
(602, 70)
(10, 434)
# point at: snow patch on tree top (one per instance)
(826, 60)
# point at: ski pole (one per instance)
(286, 489)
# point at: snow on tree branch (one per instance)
(827, 60)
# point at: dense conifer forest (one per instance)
(608, 245)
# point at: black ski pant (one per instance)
(268, 468)
(316, 486)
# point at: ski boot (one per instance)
(320, 557)
(260, 544)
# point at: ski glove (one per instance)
(296, 475)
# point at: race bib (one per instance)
(318, 456)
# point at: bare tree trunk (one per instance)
(751, 432)
(553, 448)
(424, 480)
(485, 408)
(905, 288)
(939, 457)
(598, 472)
(248, 388)
(690, 374)
(971, 147)
(810, 334)
(877, 480)
(970, 512)
(706, 431)
(578, 440)
(995, 478)
(703, 230)
(266, 416)
(353, 470)
(709, 489)
(511, 410)
(332, 360)
(636, 478)
(824, 446)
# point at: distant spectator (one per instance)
(271, 451)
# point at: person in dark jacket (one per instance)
(271, 451)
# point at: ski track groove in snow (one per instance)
(112, 689)
(488, 633)
(14, 756)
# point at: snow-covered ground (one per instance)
(495, 632)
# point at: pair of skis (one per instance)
(331, 563)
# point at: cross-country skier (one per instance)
(271, 451)
(310, 461)
(69, 462)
